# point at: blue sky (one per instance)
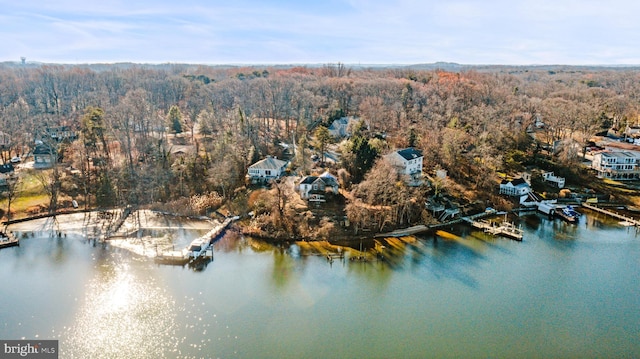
(575, 32)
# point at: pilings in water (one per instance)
(506, 229)
(632, 221)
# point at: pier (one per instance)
(403, 232)
(198, 248)
(631, 221)
(505, 229)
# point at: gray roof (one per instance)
(43, 150)
(329, 179)
(308, 180)
(269, 163)
(339, 127)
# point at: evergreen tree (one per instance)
(413, 137)
(174, 119)
(323, 138)
(358, 157)
(365, 157)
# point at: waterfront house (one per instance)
(314, 188)
(551, 178)
(617, 165)
(408, 163)
(266, 169)
(632, 131)
(515, 188)
(43, 156)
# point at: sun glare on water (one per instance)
(122, 316)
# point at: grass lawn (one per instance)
(30, 193)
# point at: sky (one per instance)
(525, 32)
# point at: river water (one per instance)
(568, 291)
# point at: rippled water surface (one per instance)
(565, 291)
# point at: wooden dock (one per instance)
(505, 229)
(184, 255)
(631, 221)
(403, 232)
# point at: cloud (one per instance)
(249, 31)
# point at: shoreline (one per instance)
(76, 221)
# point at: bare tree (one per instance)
(12, 190)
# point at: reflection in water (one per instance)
(284, 267)
(459, 294)
(122, 316)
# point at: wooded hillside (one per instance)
(161, 133)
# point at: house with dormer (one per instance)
(315, 188)
(408, 163)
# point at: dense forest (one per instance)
(186, 134)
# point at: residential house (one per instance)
(61, 133)
(552, 178)
(632, 131)
(265, 170)
(6, 171)
(340, 128)
(515, 188)
(408, 162)
(182, 150)
(44, 156)
(617, 165)
(315, 188)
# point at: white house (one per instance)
(618, 165)
(515, 188)
(314, 188)
(408, 162)
(550, 177)
(632, 131)
(266, 170)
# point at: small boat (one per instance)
(8, 240)
(569, 214)
(198, 247)
(571, 211)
